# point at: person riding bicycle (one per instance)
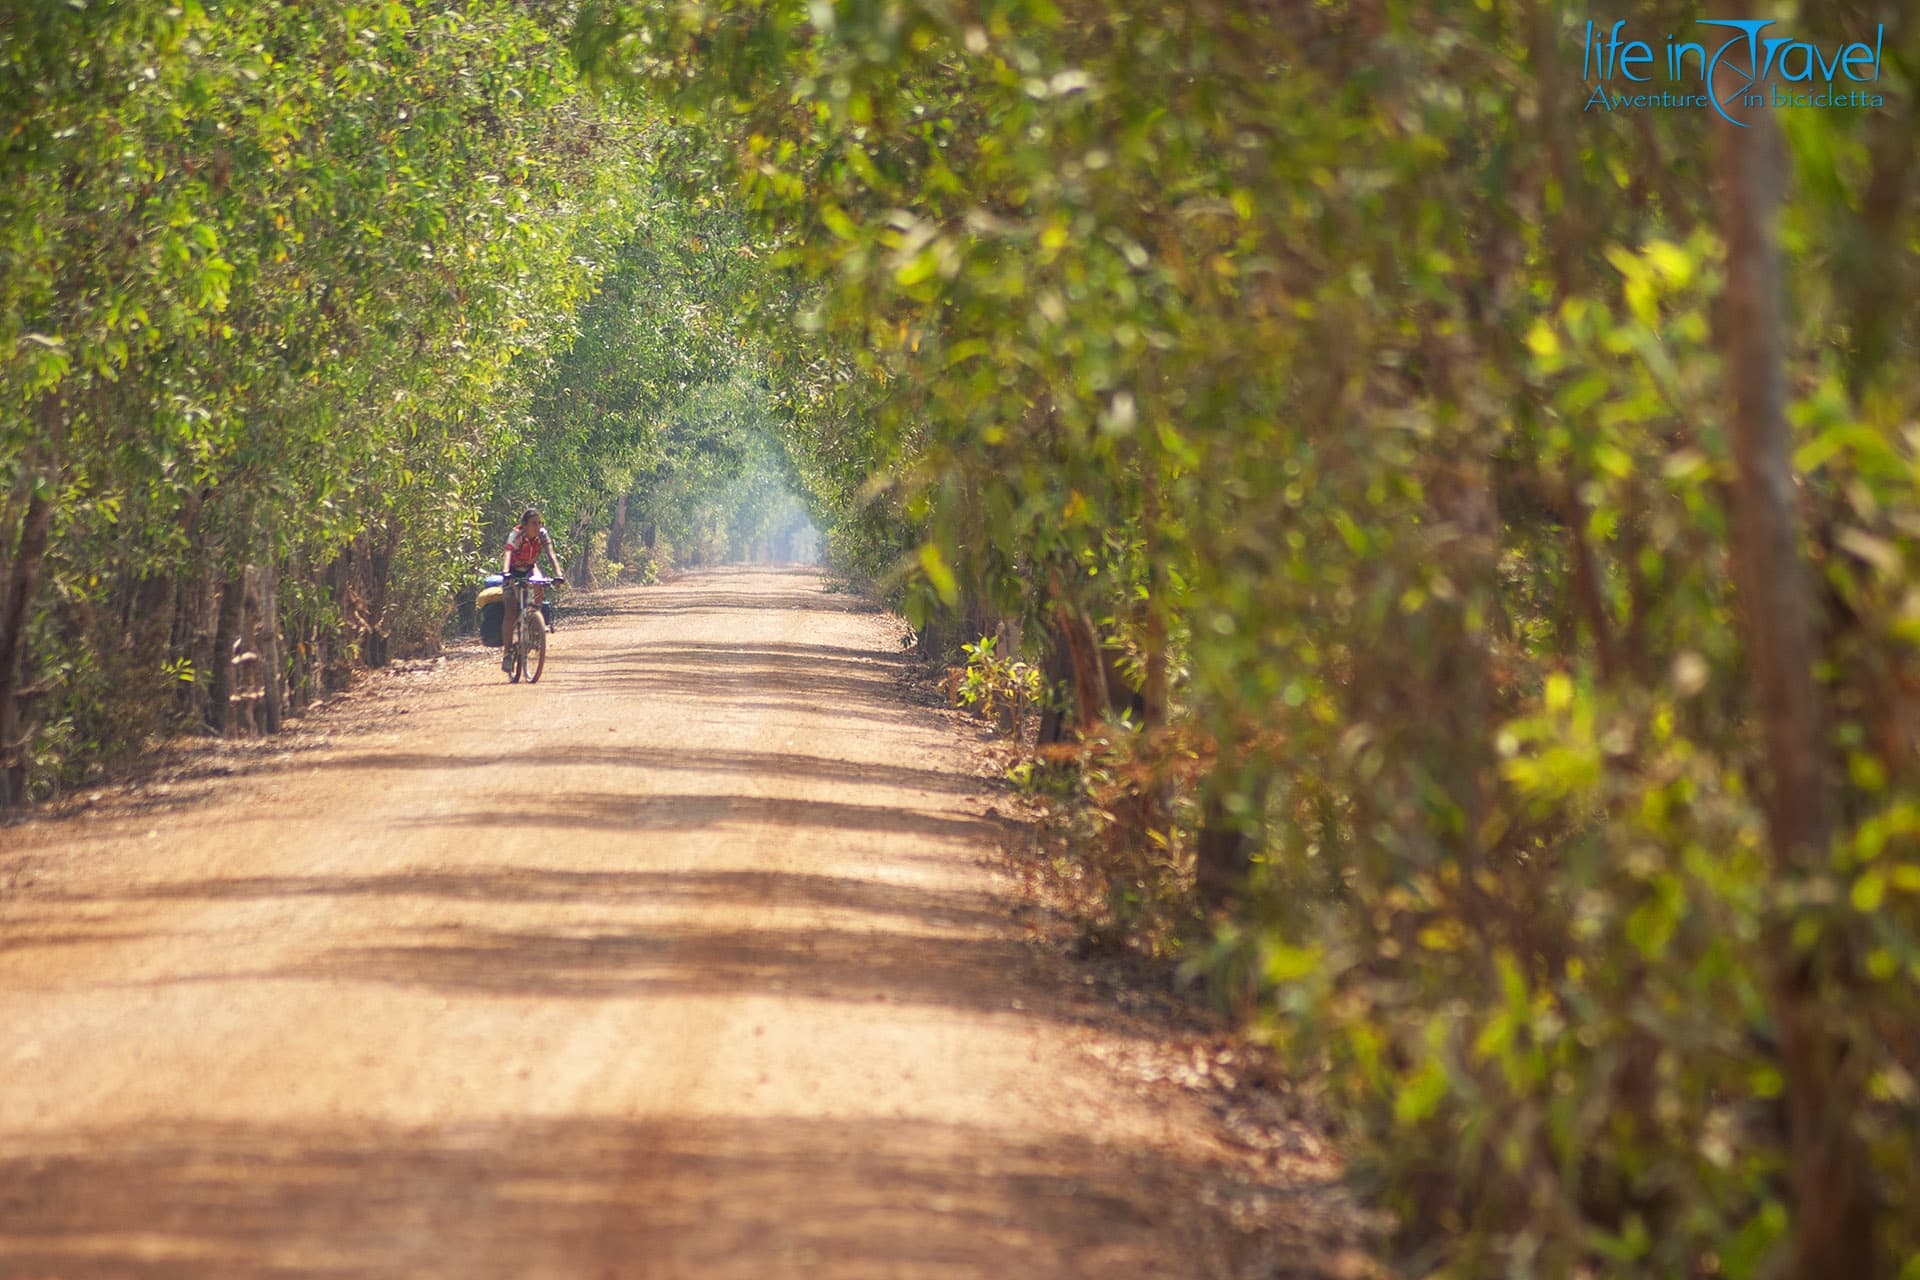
(525, 542)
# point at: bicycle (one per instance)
(527, 646)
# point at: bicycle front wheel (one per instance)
(534, 655)
(517, 642)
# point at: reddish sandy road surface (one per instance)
(692, 960)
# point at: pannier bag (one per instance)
(493, 608)
(493, 611)
(492, 614)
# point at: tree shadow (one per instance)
(873, 672)
(751, 677)
(512, 885)
(682, 812)
(680, 600)
(22, 936)
(606, 1198)
(642, 934)
(764, 650)
(769, 764)
(600, 960)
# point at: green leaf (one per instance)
(934, 565)
(1869, 890)
(1420, 1098)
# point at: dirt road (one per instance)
(690, 961)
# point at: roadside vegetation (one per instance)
(303, 305)
(1460, 550)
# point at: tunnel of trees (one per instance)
(1472, 542)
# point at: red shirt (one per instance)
(526, 551)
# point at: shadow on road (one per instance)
(791, 679)
(749, 764)
(639, 934)
(614, 961)
(604, 1198)
(680, 812)
(677, 600)
(611, 889)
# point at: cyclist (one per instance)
(525, 542)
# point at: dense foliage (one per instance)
(299, 302)
(1372, 444)
(269, 272)
(1375, 450)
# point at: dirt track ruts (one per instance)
(692, 960)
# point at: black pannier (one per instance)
(492, 614)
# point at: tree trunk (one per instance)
(1054, 719)
(337, 647)
(300, 651)
(1833, 1221)
(581, 571)
(1075, 635)
(169, 639)
(190, 640)
(1223, 854)
(18, 587)
(650, 539)
(374, 644)
(1154, 685)
(1591, 606)
(16, 611)
(617, 531)
(233, 602)
(1121, 696)
(273, 665)
(150, 626)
